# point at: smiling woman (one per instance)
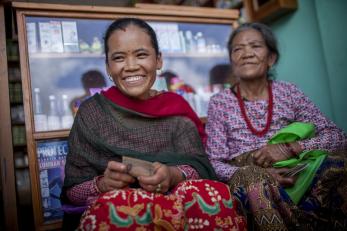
(160, 128)
(241, 123)
(133, 61)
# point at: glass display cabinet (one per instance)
(63, 63)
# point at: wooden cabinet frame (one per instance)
(145, 11)
(265, 11)
(8, 180)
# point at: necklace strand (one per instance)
(256, 132)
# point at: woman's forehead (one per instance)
(249, 35)
(131, 35)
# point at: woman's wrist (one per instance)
(294, 148)
(297, 148)
(100, 184)
(176, 176)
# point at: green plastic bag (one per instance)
(294, 132)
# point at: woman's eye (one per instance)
(142, 55)
(236, 49)
(118, 58)
(257, 46)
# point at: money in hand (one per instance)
(137, 167)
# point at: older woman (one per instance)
(241, 122)
(131, 120)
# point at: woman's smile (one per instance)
(134, 80)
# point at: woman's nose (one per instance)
(248, 52)
(131, 64)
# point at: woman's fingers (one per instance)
(261, 159)
(115, 176)
(116, 166)
(286, 181)
(268, 155)
(118, 176)
(256, 154)
(150, 188)
(159, 181)
(115, 184)
(118, 172)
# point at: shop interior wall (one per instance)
(313, 46)
(332, 18)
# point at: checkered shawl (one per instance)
(103, 131)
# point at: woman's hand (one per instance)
(271, 153)
(162, 180)
(115, 177)
(278, 173)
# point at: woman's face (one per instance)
(132, 61)
(250, 57)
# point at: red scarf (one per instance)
(162, 105)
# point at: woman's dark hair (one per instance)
(122, 23)
(266, 33)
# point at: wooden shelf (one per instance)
(18, 123)
(15, 81)
(23, 167)
(51, 134)
(268, 11)
(13, 59)
(19, 145)
(17, 103)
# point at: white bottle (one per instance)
(40, 119)
(67, 118)
(182, 42)
(53, 117)
(190, 42)
(201, 42)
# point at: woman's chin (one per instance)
(251, 77)
(141, 95)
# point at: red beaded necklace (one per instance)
(245, 117)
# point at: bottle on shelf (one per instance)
(200, 42)
(190, 42)
(67, 118)
(84, 47)
(96, 46)
(182, 42)
(40, 119)
(53, 117)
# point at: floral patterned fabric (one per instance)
(191, 205)
(268, 206)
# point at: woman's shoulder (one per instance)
(285, 86)
(283, 83)
(224, 101)
(222, 96)
(89, 105)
